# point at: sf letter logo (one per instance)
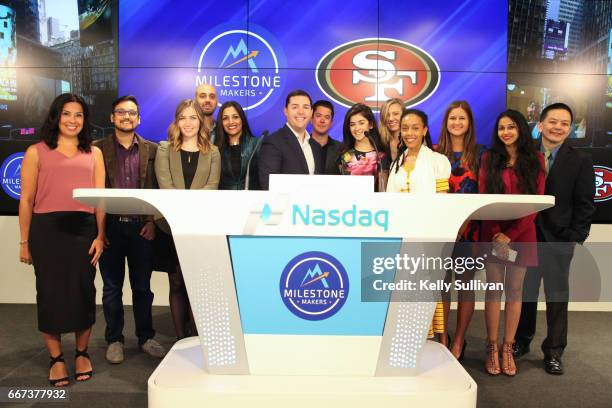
(603, 183)
(374, 70)
(380, 72)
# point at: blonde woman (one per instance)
(188, 160)
(389, 128)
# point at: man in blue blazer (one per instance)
(290, 150)
(570, 178)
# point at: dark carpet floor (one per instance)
(587, 382)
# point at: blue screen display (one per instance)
(255, 52)
(258, 264)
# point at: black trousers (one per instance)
(125, 242)
(553, 269)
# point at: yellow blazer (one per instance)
(169, 170)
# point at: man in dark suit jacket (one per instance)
(290, 150)
(322, 118)
(129, 162)
(570, 178)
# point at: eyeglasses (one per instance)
(123, 112)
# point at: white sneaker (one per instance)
(114, 352)
(153, 348)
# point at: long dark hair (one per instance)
(348, 141)
(49, 131)
(221, 139)
(445, 146)
(401, 148)
(527, 165)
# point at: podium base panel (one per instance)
(180, 380)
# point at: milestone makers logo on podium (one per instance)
(314, 286)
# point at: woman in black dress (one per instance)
(60, 236)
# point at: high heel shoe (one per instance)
(55, 382)
(492, 361)
(508, 365)
(88, 374)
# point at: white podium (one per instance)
(230, 367)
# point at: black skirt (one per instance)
(65, 290)
(165, 258)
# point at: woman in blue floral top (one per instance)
(458, 143)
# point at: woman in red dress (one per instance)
(513, 165)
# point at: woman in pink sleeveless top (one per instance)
(60, 236)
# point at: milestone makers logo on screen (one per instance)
(11, 175)
(314, 285)
(242, 65)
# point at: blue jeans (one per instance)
(125, 242)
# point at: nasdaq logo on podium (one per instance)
(314, 285)
(349, 217)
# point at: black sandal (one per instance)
(88, 374)
(55, 360)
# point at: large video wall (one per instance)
(494, 54)
(427, 53)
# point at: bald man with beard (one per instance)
(206, 97)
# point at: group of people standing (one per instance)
(400, 155)
(65, 239)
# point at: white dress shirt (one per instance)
(306, 149)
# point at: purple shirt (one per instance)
(128, 162)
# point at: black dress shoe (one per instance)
(553, 365)
(520, 349)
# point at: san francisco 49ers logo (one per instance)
(373, 70)
(603, 183)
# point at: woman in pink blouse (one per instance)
(62, 237)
